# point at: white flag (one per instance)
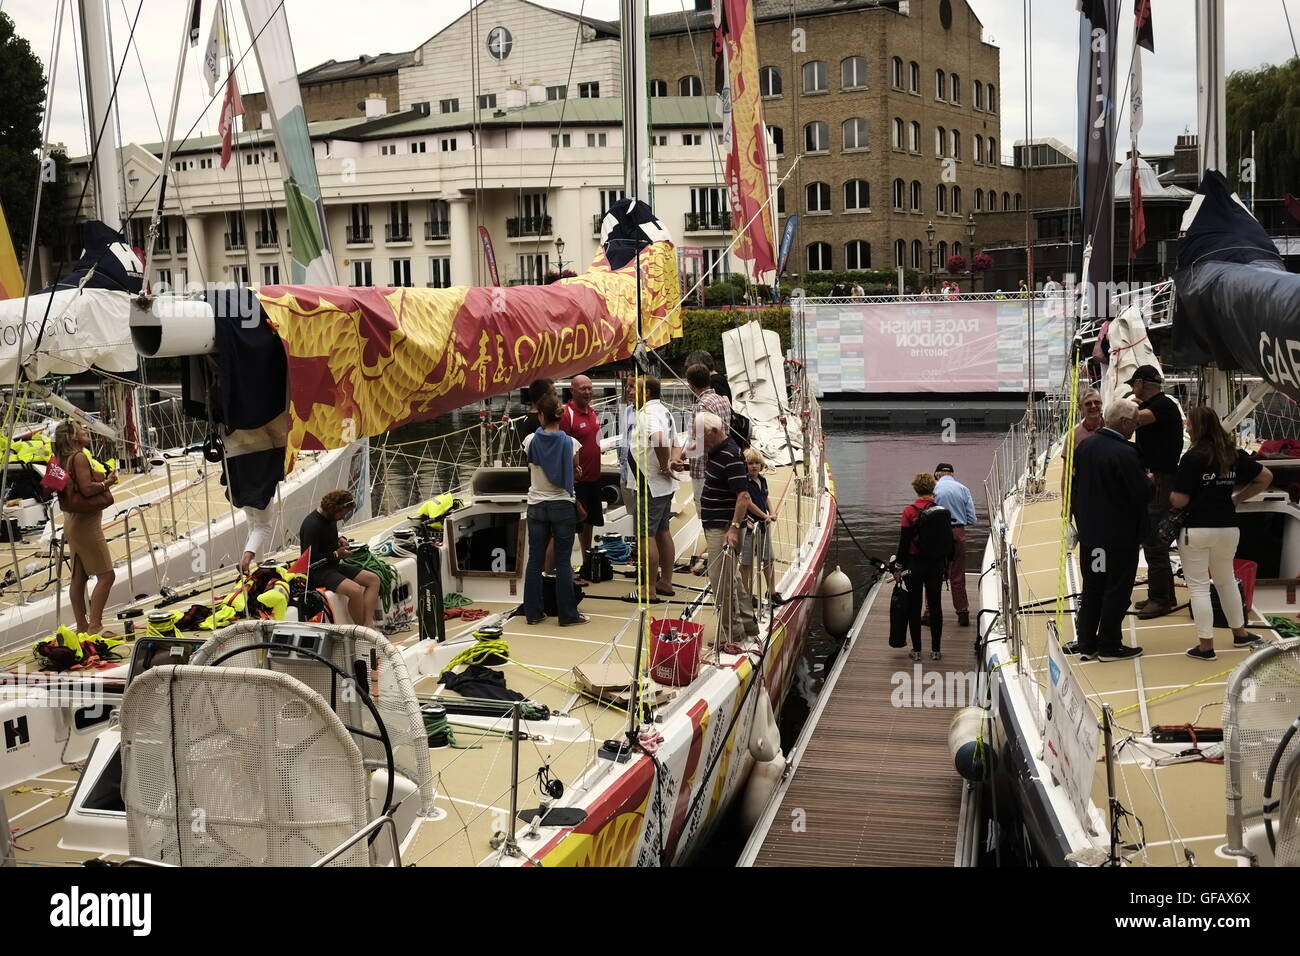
(216, 52)
(1135, 101)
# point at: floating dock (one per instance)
(871, 783)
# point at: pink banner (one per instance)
(488, 254)
(941, 346)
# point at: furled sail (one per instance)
(80, 322)
(363, 361)
(1238, 307)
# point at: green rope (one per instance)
(371, 562)
(455, 599)
(441, 725)
(482, 651)
(1285, 626)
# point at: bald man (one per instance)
(579, 419)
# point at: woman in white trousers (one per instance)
(1204, 485)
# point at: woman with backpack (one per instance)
(921, 564)
(82, 502)
(1207, 543)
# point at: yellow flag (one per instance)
(11, 277)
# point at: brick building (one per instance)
(336, 90)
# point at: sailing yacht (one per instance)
(1161, 759)
(448, 731)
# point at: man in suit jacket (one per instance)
(1109, 503)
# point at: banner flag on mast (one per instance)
(1145, 36)
(196, 22)
(1096, 136)
(744, 135)
(231, 106)
(217, 50)
(1142, 39)
(11, 276)
(486, 238)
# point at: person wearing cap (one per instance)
(956, 497)
(1160, 445)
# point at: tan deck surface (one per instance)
(1181, 806)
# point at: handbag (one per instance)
(899, 610)
(1170, 526)
(72, 501)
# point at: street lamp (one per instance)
(970, 235)
(929, 239)
(559, 257)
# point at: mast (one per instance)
(102, 108)
(637, 179)
(1211, 96)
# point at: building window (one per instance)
(716, 265)
(956, 200)
(941, 255)
(993, 200)
(940, 199)
(234, 230)
(769, 81)
(816, 138)
(898, 133)
(690, 86)
(993, 151)
(709, 209)
(658, 87)
(533, 206)
(659, 139)
(940, 140)
(399, 222)
(954, 90)
(778, 139)
(487, 101)
(916, 195)
(853, 73)
(557, 92)
(854, 133)
(857, 194)
(814, 77)
(992, 98)
(597, 139)
(780, 200)
(419, 146)
(387, 149)
(1019, 201)
(818, 197)
(401, 273)
(979, 200)
(691, 139)
(164, 280)
(896, 73)
(361, 272)
(857, 254)
(979, 95)
(422, 107)
(253, 159)
(438, 224)
(440, 272)
(916, 254)
(956, 144)
(819, 256)
(560, 139)
(914, 77)
(447, 145)
(900, 254)
(914, 137)
(267, 235)
(239, 275)
(589, 91)
(956, 248)
(449, 106)
(900, 195)
(979, 148)
(940, 85)
(610, 196)
(271, 274)
(205, 163)
(533, 268)
(359, 223)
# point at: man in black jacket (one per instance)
(1109, 503)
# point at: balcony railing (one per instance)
(397, 232)
(719, 221)
(359, 234)
(235, 242)
(437, 229)
(267, 240)
(528, 226)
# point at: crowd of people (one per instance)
(1142, 495)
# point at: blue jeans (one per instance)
(558, 520)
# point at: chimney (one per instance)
(376, 106)
(1187, 156)
(266, 120)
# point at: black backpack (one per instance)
(740, 429)
(934, 534)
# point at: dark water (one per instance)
(873, 471)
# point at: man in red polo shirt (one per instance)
(579, 420)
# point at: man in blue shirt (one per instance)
(956, 497)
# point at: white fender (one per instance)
(837, 603)
(760, 786)
(970, 743)
(765, 737)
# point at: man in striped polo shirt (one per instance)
(724, 503)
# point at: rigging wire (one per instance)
(1290, 29)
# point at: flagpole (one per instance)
(167, 149)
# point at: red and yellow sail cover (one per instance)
(366, 360)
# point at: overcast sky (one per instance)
(322, 30)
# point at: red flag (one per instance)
(1137, 227)
(1145, 36)
(231, 107)
(303, 564)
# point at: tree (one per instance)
(21, 105)
(1266, 101)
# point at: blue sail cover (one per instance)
(1238, 307)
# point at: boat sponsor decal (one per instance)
(16, 733)
(699, 716)
(362, 361)
(1070, 732)
(609, 835)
